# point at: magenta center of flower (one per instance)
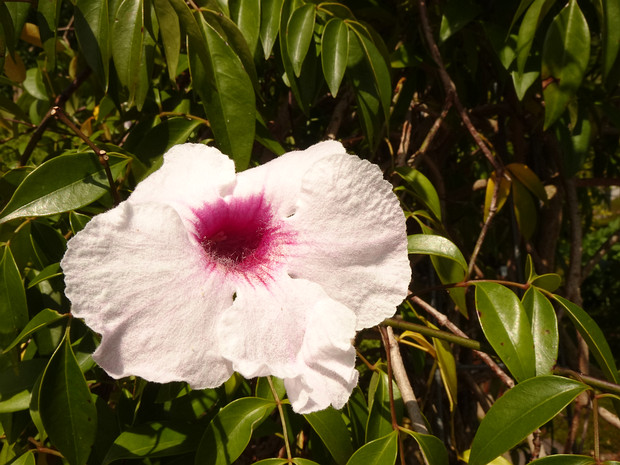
(240, 235)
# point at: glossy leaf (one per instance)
(13, 306)
(332, 430)
(611, 33)
(301, 461)
(564, 459)
(507, 328)
(565, 57)
(25, 459)
(502, 195)
(50, 271)
(170, 31)
(230, 431)
(381, 451)
(245, 14)
(432, 448)
(428, 244)
(45, 317)
(47, 20)
(520, 411)
(447, 369)
(61, 184)
(128, 40)
(334, 53)
(422, 188)
(66, 406)
(16, 384)
(379, 414)
(155, 439)
(533, 16)
(226, 93)
(549, 281)
(299, 31)
(525, 209)
(77, 221)
(544, 329)
(273, 462)
(593, 336)
(270, 23)
(93, 34)
(528, 178)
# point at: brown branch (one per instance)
(431, 133)
(59, 101)
(405, 138)
(444, 321)
(338, 115)
(450, 88)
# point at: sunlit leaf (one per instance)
(332, 430)
(92, 32)
(564, 459)
(170, 31)
(428, 244)
(544, 329)
(13, 306)
(381, 451)
(565, 57)
(533, 17)
(611, 33)
(155, 439)
(45, 317)
(507, 328)
(50, 271)
(502, 194)
(269, 25)
(447, 369)
(245, 14)
(66, 405)
(520, 411)
(379, 413)
(299, 31)
(230, 431)
(334, 53)
(432, 448)
(61, 184)
(549, 281)
(529, 179)
(423, 189)
(47, 20)
(16, 385)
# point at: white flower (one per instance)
(202, 272)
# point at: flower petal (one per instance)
(328, 361)
(137, 277)
(191, 175)
(280, 179)
(351, 237)
(293, 330)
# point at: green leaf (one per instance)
(300, 461)
(46, 273)
(13, 306)
(334, 53)
(170, 31)
(270, 22)
(226, 93)
(564, 459)
(525, 209)
(381, 451)
(428, 244)
(507, 328)
(154, 439)
(433, 448)
(456, 15)
(611, 33)
(43, 318)
(370, 77)
(66, 406)
(245, 14)
(61, 184)
(520, 411)
(565, 57)
(7, 32)
(447, 369)
(379, 414)
(549, 281)
(332, 430)
(16, 384)
(534, 15)
(92, 32)
(502, 195)
(77, 221)
(299, 31)
(230, 431)
(544, 329)
(528, 178)
(423, 189)
(272, 462)
(47, 20)
(25, 459)
(128, 41)
(594, 337)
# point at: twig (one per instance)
(274, 393)
(405, 138)
(443, 320)
(338, 115)
(59, 113)
(431, 133)
(400, 375)
(436, 333)
(485, 226)
(450, 88)
(59, 101)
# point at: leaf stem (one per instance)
(289, 456)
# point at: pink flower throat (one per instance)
(240, 234)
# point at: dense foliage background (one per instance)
(498, 124)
